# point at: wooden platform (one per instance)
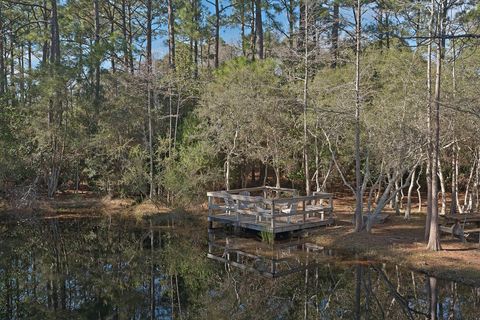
(258, 212)
(249, 222)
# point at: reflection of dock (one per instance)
(268, 260)
(262, 209)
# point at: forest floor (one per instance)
(401, 242)
(397, 241)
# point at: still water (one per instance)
(104, 268)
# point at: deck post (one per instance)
(273, 219)
(330, 199)
(209, 205)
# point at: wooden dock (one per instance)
(254, 209)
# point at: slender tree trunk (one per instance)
(29, 80)
(54, 112)
(130, 38)
(466, 207)
(434, 236)
(419, 194)
(358, 173)
(196, 23)
(291, 22)
(277, 176)
(453, 205)
(2, 61)
(335, 29)
(442, 188)
(217, 33)
(171, 34)
(408, 209)
(113, 52)
(396, 199)
(149, 94)
(45, 46)
(97, 58)
(12, 60)
(429, 174)
(170, 121)
(476, 184)
(177, 116)
(227, 173)
(55, 35)
(125, 36)
(302, 25)
(242, 28)
(305, 106)
(21, 73)
(317, 163)
(253, 33)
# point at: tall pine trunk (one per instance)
(217, 33)
(259, 28)
(335, 30)
(171, 34)
(97, 59)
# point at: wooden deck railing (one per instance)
(294, 209)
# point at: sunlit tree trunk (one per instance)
(358, 173)
(419, 194)
(454, 203)
(434, 236)
(442, 188)
(429, 125)
(408, 209)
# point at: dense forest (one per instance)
(168, 99)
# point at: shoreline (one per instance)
(396, 241)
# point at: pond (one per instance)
(104, 268)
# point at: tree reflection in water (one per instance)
(126, 269)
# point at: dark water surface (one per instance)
(140, 269)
